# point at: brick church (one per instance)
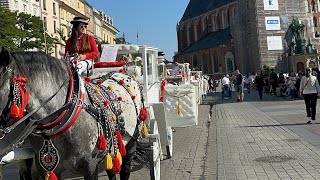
(218, 36)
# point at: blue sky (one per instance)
(155, 20)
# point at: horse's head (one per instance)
(6, 75)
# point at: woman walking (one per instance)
(309, 88)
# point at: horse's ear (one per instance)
(4, 57)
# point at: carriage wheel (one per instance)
(170, 142)
(155, 153)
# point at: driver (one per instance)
(82, 44)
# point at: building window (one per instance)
(16, 5)
(54, 27)
(45, 23)
(54, 8)
(44, 5)
(35, 11)
(313, 4)
(216, 63)
(25, 8)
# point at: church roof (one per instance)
(212, 40)
(197, 7)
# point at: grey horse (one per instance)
(76, 146)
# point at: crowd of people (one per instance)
(291, 85)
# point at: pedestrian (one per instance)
(309, 88)
(81, 45)
(239, 85)
(259, 84)
(226, 85)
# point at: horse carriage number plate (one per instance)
(48, 156)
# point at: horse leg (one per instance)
(25, 168)
(92, 176)
(111, 175)
(126, 166)
(126, 161)
(1, 172)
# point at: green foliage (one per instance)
(267, 69)
(23, 32)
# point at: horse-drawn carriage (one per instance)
(123, 88)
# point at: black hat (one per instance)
(77, 20)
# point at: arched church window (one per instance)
(194, 61)
(313, 6)
(216, 62)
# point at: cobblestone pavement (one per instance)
(194, 153)
(266, 139)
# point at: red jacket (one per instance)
(89, 54)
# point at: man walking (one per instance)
(225, 84)
(239, 84)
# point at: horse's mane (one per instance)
(31, 63)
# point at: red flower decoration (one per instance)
(87, 79)
(133, 97)
(121, 82)
(75, 62)
(119, 98)
(99, 82)
(121, 71)
(106, 103)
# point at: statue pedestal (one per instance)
(299, 62)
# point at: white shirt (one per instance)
(309, 85)
(225, 81)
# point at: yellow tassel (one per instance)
(97, 90)
(110, 87)
(114, 117)
(145, 132)
(47, 176)
(129, 89)
(119, 157)
(108, 162)
(179, 108)
(121, 110)
(133, 77)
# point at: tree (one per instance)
(31, 35)
(8, 31)
(20, 31)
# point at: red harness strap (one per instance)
(56, 121)
(73, 120)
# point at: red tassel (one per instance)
(121, 82)
(51, 176)
(14, 111)
(116, 168)
(143, 114)
(101, 143)
(121, 147)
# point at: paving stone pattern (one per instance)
(252, 144)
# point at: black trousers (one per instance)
(311, 104)
(260, 88)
